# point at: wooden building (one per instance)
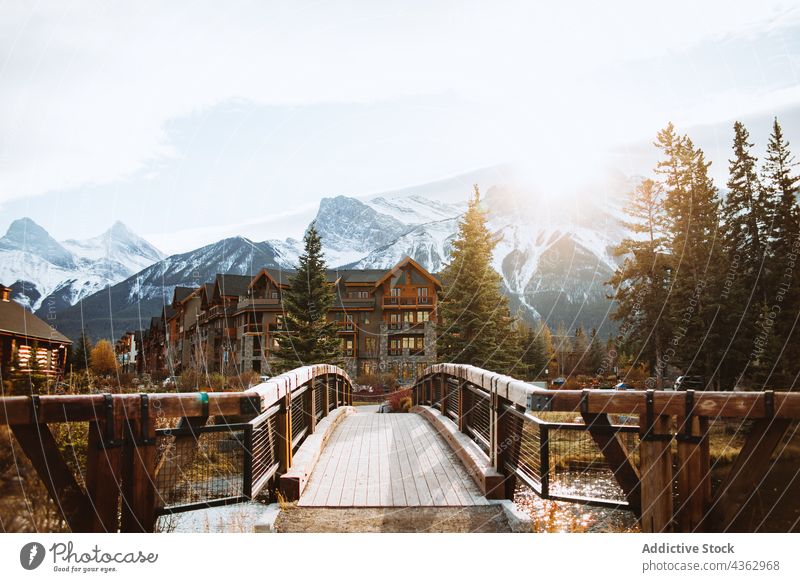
(28, 343)
(386, 318)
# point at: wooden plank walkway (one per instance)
(389, 460)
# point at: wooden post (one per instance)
(462, 406)
(309, 405)
(104, 468)
(691, 476)
(443, 394)
(327, 394)
(284, 426)
(138, 474)
(505, 450)
(655, 470)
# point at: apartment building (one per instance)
(386, 319)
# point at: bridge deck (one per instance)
(389, 460)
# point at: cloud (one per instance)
(88, 88)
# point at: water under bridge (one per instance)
(473, 437)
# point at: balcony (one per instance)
(254, 303)
(406, 352)
(358, 300)
(408, 301)
(406, 327)
(252, 328)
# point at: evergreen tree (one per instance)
(692, 207)
(535, 355)
(309, 338)
(581, 347)
(745, 218)
(562, 346)
(595, 354)
(779, 331)
(641, 284)
(477, 321)
(79, 358)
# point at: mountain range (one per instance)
(554, 255)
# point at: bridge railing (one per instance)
(650, 450)
(153, 454)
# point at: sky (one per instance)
(190, 120)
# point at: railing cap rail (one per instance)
(712, 404)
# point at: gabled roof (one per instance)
(227, 285)
(180, 294)
(356, 275)
(413, 263)
(279, 277)
(16, 320)
(206, 293)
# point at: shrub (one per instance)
(388, 382)
(103, 360)
(406, 404)
(397, 398)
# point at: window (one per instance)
(371, 345)
(358, 294)
(395, 292)
(423, 316)
(422, 291)
(274, 295)
(347, 347)
(408, 316)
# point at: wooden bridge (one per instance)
(476, 436)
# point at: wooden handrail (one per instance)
(123, 436)
(713, 404)
(684, 416)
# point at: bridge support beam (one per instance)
(747, 471)
(617, 456)
(655, 471)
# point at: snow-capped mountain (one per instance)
(131, 303)
(554, 253)
(118, 244)
(43, 272)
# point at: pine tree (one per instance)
(477, 321)
(581, 347)
(692, 208)
(535, 355)
(309, 338)
(641, 283)
(778, 327)
(745, 218)
(79, 358)
(562, 346)
(595, 354)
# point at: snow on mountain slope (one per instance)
(117, 244)
(43, 272)
(415, 209)
(429, 244)
(131, 303)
